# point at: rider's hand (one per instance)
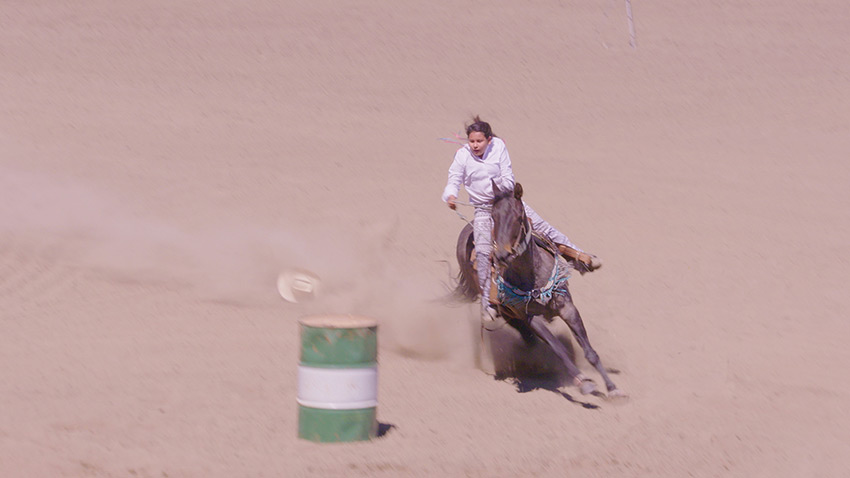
(451, 202)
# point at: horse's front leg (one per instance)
(570, 314)
(538, 324)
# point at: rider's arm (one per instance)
(506, 174)
(456, 171)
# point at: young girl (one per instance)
(482, 159)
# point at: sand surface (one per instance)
(162, 161)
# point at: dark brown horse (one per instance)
(532, 284)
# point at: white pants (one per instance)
(482, 230)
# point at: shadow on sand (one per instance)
(384, 428)
(533, 366)
(552, 384)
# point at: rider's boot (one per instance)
(585, 262)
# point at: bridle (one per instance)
(522, 241)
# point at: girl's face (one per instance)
(478, 143)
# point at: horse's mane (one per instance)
(504, 194)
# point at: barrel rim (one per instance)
(338, 322)
(326, 405)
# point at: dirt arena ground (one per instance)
(162, 161)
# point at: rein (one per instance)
(522, 241)
(461, 216)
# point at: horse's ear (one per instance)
(518, 191)
(496, 190)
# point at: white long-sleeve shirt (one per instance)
(475, 173)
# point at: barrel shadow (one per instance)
(384, 428)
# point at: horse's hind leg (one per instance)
(571, 316)
(539, 327)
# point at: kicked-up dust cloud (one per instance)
(76, 225)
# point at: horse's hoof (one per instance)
(617, 395)
(587, 386)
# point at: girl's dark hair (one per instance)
(480, 126)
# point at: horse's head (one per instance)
(511, 230)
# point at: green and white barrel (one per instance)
(338, 379)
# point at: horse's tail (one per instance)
(467, 288)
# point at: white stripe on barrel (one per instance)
(337, 389)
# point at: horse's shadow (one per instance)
(533, 366)
(552, 384)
